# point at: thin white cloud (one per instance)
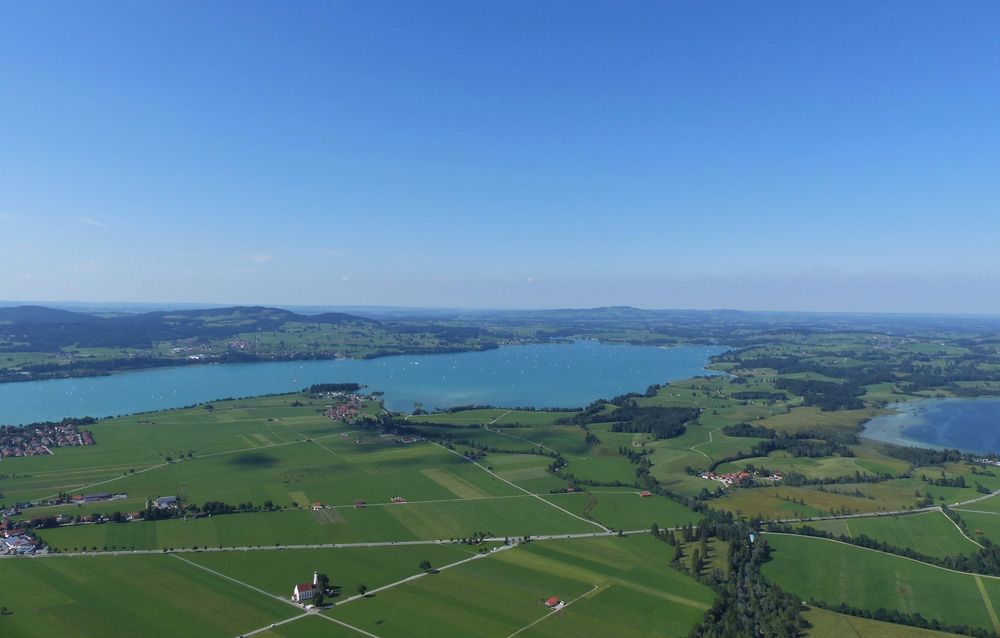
(345, 279)
(529, 280)
(93, 222)
(260, 258)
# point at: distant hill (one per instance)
(37, 328)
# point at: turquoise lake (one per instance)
(970, 425)
(541, 376)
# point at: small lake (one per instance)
(541, 376)
(970, 425)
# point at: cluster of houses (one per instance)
(38, 439)
(347, 408)
(743, 478)
(986, 461)
(14, 538)
(16, 543)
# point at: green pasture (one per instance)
(625, 509)
(498, 417)
(930, 533)
(616, 586)
(151, 595)
(863, 578)
(981, 523)
(457, 518)
(278, 571)
(827, 624)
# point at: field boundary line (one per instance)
(231, 579)
(989, 604)
(959, 509)
(964, 535)
(344, 624)
(519, 438)
(550, 504)
(552, 612)
(878, 551)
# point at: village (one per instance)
(38, 439)
(743, 478)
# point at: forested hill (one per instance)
(37, 328)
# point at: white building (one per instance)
(306, 591)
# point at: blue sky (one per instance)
(767, 155)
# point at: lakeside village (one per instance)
(38, 439)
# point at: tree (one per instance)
(696, 562)
(425, 565)
(362, 589)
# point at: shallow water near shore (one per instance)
(970, 425)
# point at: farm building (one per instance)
(317, 506)
(554, 602)
(164, 502)
(645, 493)
(398, 499)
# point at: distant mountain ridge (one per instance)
(46, 329)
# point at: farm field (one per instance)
(496, 416)
(59, 597)
(827, 624)
(458, 518)
(981, 523)
(930, 533)
(625, 509)
(278, 571)
(870, 580)
(616, 586)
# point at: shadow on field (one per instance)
(254, 460)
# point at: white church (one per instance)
(306, 591)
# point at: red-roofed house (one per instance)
(645, 493)
(552, 602)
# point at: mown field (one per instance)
(616, 586)
(457, 518)
(867, 579)
(931, 533)
(827, 624)
(150, 595)
(625, 509)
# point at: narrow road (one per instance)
(514, 485)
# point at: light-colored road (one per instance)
(518, 487)
(276, 548)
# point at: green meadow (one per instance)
(930, 533)
(151, 595)
(868, 579)
(615, 586)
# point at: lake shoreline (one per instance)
(962, 423)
